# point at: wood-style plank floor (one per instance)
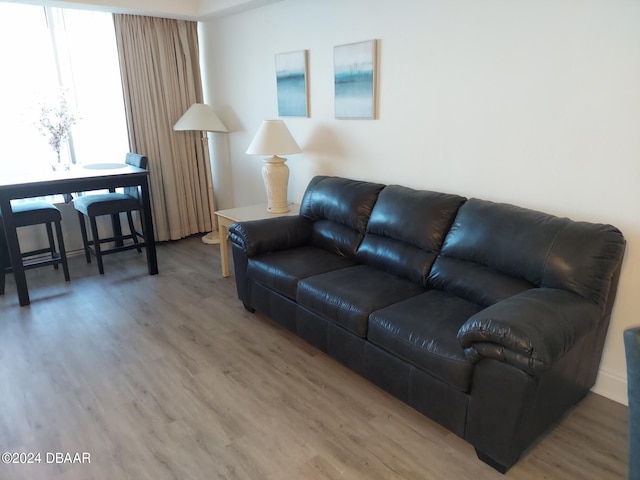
(168, 377)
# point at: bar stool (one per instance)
(92, 206)
(35, 213)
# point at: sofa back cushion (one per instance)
(406, 231)
(340, 209)
(494, 251)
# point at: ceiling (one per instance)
(183, 9)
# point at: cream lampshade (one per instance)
(273, 138)
(201, 117)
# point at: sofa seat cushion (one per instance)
(422, 331)
(347, 296)
(281, 271)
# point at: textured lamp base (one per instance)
(275, 174)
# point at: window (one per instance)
(45, 50)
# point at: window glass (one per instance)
(101, 133)
(29, 74)
(47, 51)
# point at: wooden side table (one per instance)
(243, 214)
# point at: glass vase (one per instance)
(60, 165)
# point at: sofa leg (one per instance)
(248, 308)
(491, 462)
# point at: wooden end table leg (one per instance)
(223, 225)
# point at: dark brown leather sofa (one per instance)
(486, 317)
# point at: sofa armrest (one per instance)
(271, 234)
(530, 330)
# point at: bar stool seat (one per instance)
(35, 213)
(105, 204)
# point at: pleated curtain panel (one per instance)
(161, 80)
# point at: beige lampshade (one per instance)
(273, 138)
(200, 116)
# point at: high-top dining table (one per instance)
(22, 184)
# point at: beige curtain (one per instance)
(161, 80)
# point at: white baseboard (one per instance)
(612, 386)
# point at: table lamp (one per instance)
(201, 117)
(273, 138)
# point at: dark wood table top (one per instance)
(24, 184)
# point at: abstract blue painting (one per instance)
(355, 80)
(291, 79)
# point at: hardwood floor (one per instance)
(168, 377)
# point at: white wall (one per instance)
(534, 102)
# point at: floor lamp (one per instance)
(201, 117)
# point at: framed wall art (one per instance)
(355, 78)
(291, 78)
